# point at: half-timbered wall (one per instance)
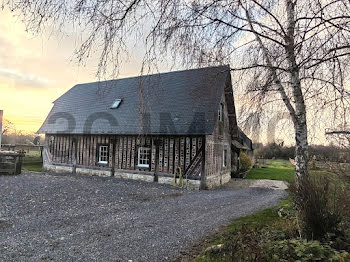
(215, 172)
(173, 152)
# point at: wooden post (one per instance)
(113, 142)
(75, 156)
(1, 114)
(15, 171)
(203, 178)
(156, 143)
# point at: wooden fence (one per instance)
(23, 147)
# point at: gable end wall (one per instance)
(215, 173)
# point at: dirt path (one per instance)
(261, 183)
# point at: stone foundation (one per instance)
(58, 169)
(190, 184)
(134, 176)
(216, 181)
(93, 172)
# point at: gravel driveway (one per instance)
(81, 218)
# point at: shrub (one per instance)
(266, 244)
(242, 244)
(274, 150)
(340, 241)
(313, 163)
(279, 151)
(317, 206)
(344, 199)
(245, 161)
(303, 250)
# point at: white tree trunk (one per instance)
(298, 112)
(301, 147)
(299, 115)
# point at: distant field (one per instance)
(32, 162)
(280, 169)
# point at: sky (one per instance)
(36, 69)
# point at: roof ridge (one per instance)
(132, 77)
(153, 74)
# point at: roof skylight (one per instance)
(116, 103)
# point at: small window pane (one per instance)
(221, 112)
(103, 155)
(143, 156)
(224, 160)
(116, 103)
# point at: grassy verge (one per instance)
(32, 162)
(275, 234)
(265, 218)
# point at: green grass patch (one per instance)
(283, 170)
(274, 170)
(265, 218)
(32, 162)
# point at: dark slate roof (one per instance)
(244, 139)
(180, 102)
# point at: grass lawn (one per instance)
(32, 162)
(275, 170)
(280, 169)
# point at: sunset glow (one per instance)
(36, 70)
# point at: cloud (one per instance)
(24, 79)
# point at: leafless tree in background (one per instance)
(282, 52)
(8, 127)
(340, 138)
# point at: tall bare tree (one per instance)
(293, 53)
(8, 127)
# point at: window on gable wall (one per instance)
(221, 112)
(103, 155)
(144, 154)
(224, 158)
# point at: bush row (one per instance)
(329, 153)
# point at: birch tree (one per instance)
(294, 53)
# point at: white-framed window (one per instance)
(143, 156)
(103, 154)
(116, 103)
(224, 158)
(221, 112)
